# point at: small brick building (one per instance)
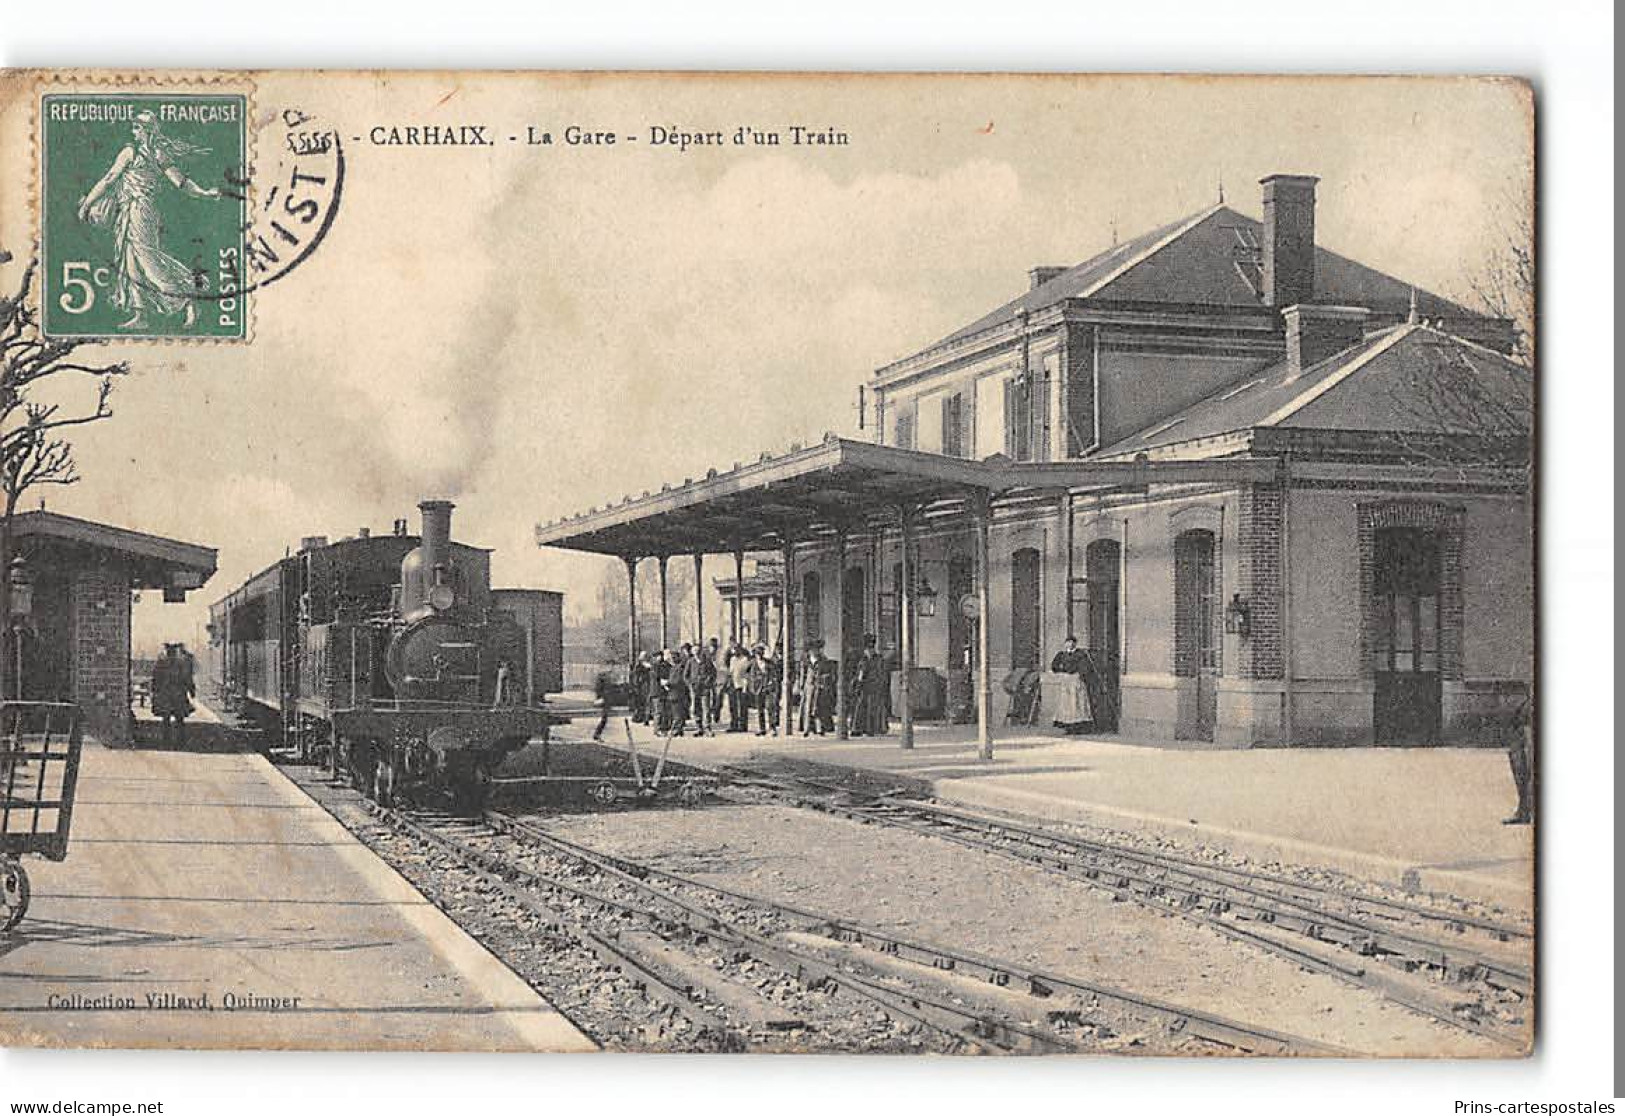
(75, 638)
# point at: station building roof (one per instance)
(812, 492)
(1409, 379)
(1206, 259)
(155, 562)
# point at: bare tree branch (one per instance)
(33, 452)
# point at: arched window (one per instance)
(812, 608)
(1196, 638)
(1026, 609)
(1196, 633)
(1102, 562)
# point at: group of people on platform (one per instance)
(715, 688)
(698, 684)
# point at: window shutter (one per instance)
(1038, 420)
(903, 433)
(1012, 417)
(953, 425)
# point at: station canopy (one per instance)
(811, 493)
(154, 562)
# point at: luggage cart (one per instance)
(646, 787)
(40, 743)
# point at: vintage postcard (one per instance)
(898, 564)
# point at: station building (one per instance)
(1281, 496)
(70, 602)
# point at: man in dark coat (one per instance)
(638, 688)
(659, 708)
(765, 682)
(700, 672)
(172, 691)
(822, 678)
(674, 698)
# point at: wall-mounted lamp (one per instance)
(926, 597)
(22, 588)
(1237, 617)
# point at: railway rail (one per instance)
(1346, 937)
(666, 887)
(681, 941)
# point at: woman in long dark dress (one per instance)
(869, 687)
(1073, 705)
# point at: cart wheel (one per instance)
(13, 893)
(603, 794)
(690, 794)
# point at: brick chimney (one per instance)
(1038, 276)
(1289, 239)
(1314, 333)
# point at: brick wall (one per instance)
(1259, 581)
(101, 650)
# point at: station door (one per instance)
(1196, 640)
(1102, 563)
(1406, 645)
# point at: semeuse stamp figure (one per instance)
(144, 212)
(147, 279)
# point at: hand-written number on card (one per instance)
(100, 276)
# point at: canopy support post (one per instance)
(787, 634)
(1069, 533)
(983, 513)
(665, 609)
(633, 636)
(905, 519)
(699, 599)
(739, 595)
(841, 638)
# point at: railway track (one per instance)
(684, 942)
(701, 901)
(1367, 942)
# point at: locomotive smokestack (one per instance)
(436, 536)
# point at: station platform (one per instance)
(1430, 816)
(207, 902)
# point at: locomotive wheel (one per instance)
(383, 780)
(470, 793)
(354, 755)
(14, 893)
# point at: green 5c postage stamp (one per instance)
(143, 214)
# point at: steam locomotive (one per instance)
(391, 658)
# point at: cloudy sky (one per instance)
(530, 331)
